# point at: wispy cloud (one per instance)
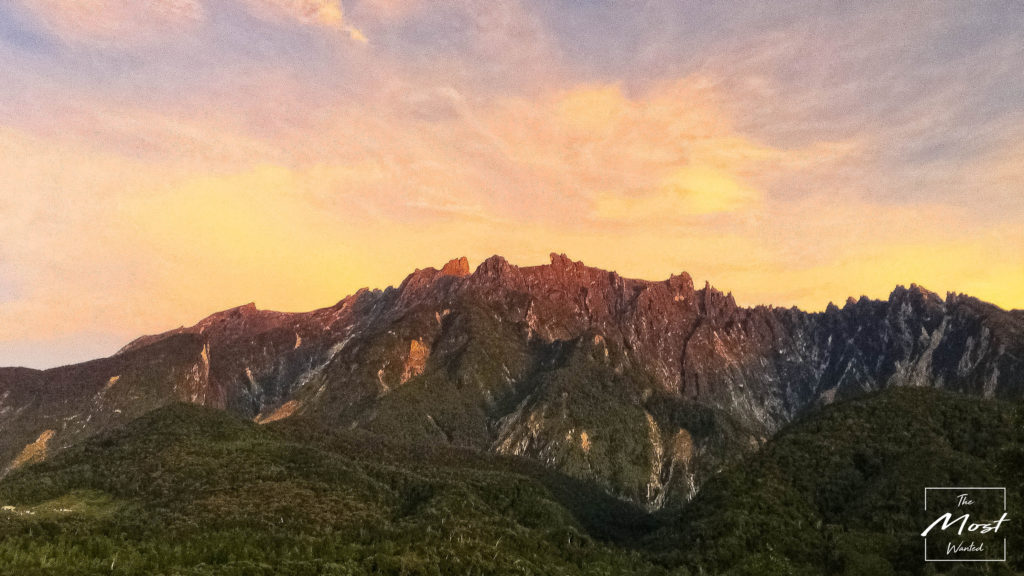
(326, 13)
(126, 23)
(114, 21)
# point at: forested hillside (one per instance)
(191, 490)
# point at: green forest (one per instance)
(189, 490)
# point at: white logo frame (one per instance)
(927, 559)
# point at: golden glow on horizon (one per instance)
(300, 238)
(689, 190)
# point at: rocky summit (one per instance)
(645, 388)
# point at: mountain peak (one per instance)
(681, 284)
(456, 267)
(916, 293)
(423, 279)
(493, 266)
(562, 261)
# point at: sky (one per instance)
(161, 160)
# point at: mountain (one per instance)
(645, 388)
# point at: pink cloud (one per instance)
(326, 13)
(114, 21)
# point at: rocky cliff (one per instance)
(644, 387)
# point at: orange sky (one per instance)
(164, 160)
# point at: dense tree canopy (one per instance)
(187, 490)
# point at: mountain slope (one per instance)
(647, 388)
(189, 490)
(841, 491)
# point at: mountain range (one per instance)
(644, 389)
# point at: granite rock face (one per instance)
(644, 387)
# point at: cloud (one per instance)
(690, 190)
(138, 202)
(326, 13)
(390, 9)
(125, 23)
(115, 21)
(660, 156)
